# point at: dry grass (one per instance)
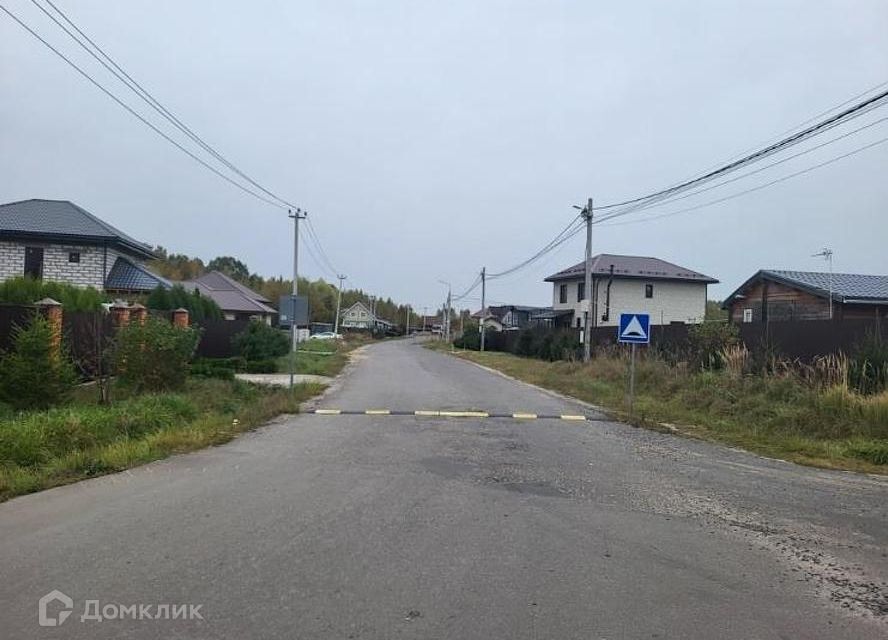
(818, 422)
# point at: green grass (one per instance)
(323, 357)
(42, 449)
(774, 416)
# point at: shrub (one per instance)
(206, 370)
(199, 307)
(261, 366)
(708, 341)
(261, 342)
(28, 290)
(154, 356)
(34, 376)
(868, 365)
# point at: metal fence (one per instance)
(11, 316)
(216, 337)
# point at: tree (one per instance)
(230, 266)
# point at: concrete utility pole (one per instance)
(587, 325)
(294, 331)
(425, 313)
(483, 301)
(338, 304)
(407, 330)
(446, 324)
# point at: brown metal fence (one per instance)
(216, 336)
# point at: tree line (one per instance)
(321, 294)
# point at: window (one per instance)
(579, 323)
(34, 262)
(562, 294)
(747, 315)
(648, 291)
(73, 256)
(581, 291)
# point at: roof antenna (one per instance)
(827, 255)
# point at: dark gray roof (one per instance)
(229, 294)
(130, 276)
(222, 282)
(61, 220)
(632, 267)
(846, 287)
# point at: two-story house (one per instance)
(359, 316)
(668, 292)
(59, 241)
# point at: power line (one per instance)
(137, 115)
(562, 237)
(670, 200)
(848, 114)
(745, 192)
(317, 241)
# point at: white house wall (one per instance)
(56, 268)
(672, 301)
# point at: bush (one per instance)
(199, 307)
(33, 375)
(29, 290)
(218, 372)
(708, 341)
(154, 356)
(868, 365)
(261, 366)
(261, 342)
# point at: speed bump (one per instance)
(436, 413)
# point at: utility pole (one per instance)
(828, 254)
(446, 324)
(407, 330)
(587, 325)
(338, 303)
(425, 313)
(294, 332)
(483, 302)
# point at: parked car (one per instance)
(326, 335)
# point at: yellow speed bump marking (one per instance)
(328, 412)
(570, 416)
(377, 412)
(524, 416)
(463, 414)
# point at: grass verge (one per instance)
(323, 357)
(774, 416)
(42, 449)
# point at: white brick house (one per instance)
(59, 241)
(622, 284)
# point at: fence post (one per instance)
(120, 314)
(180, 317)
(52, 311)
(138, 314)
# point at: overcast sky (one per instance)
(427, 139)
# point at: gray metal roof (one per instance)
(845, 286)
(632, 267)
(229, 294)
(130, 276)
(63, 220)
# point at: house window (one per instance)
(34, 262)
(562, 294)
(579, 322)
(73, 256)
(581, 291)
(648, 291)
(747, 315)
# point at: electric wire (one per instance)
(644, 207)
(846, 115)
(744, 192)
(136, 114)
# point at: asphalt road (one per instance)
(415, 527)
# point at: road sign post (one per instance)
(634, 329)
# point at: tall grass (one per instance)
(40, 449)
